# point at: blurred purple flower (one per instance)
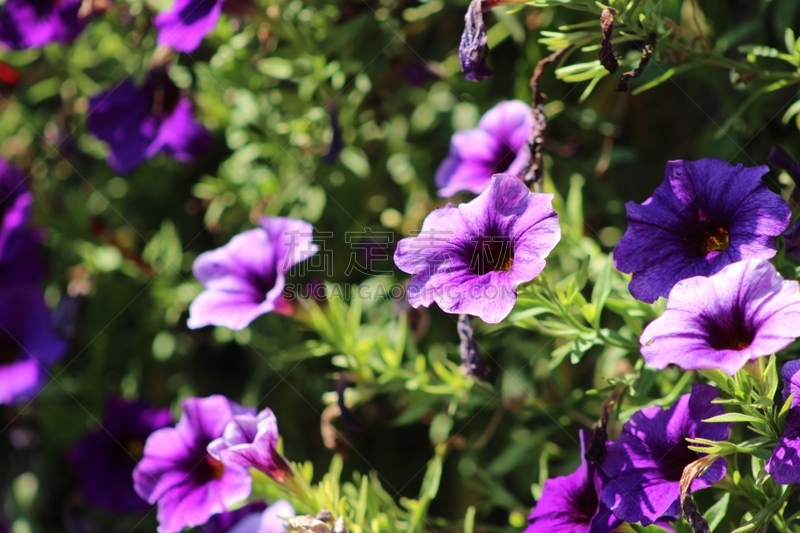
(20, 260)
(183, 27)
(139, 122)
(784, 463)
(780, 159)
(36, 23)
(28, 345)
(743, 312)
(179, 475)
(571, 504)
(497, 146)
(225, 522)
(647, 461)
(471, 258)
(251, 441)
(105, 458)
(252, 519)
(245, 278)
(705, 215)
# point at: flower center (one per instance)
(491, 254)
(216, 468)
(506, 157)
(730, 332)
(715, 240)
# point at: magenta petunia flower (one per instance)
(245, 278)
(251, 441)
(497, 146)
(183, 27)
(784, 463)
(28, 344)
(647, 461)
(471, 258)
(139, 122)
(705, 215)
(105, 458)
(571, 504)
(36, 23)
(743, 312)
(179, 475)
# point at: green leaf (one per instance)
(717, 512)
(601, 291)
(733, 417)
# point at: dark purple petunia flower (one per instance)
(743, 312)
(36, 23)
(471, 258)
(15, 203)
(105, 458)
(251, 441)
(647, 461)
(497, 146)
(571, 504)
(792, 239)
(784, 463)
(704, 216)
(780, 159)
(252, 519)
(183, 27)
(245, 278)
(179, 475)
(139, 122)
(28, 345)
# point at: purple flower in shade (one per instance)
(571, 504)
(497, 146)
(471, 258)
(252, 519)
(704, 216)
(784, 463)
(743, 312)
(105, 458)
(647, 461)
(36, 23)
(139, 122)
(251, 441)
(792, 239)
(245, 278)
(28, 345)
(183, 27)
(780, 159)
(15, 203)
(179, 475)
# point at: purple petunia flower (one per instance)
(252, 519)
(36, 23)
(28, 345)
(471, 258)
(497, 146)
(105, 458)
(245, 278)
(704, 216)
(743, 312)
(647, 461)
(784, 463)
(139, 122)
(179, 475)
(183, 27)
(571, 504)
(251, 441)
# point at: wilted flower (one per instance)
(472, 50)
(28, 345)
(647, 461)
(139, 122)
(743, 312)
(497, 146)
(704, 216)
(245, 278)
(35, 23)
(183, 27)
(105, 458)
(251, 441)
(784, 463)
(571, 504)
(471, 258)
(179, 474)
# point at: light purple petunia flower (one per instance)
(179, 475)
(497, 146)
(139, 122)
(28, 344)
(784, 463)
(36, 23)
(647, 461)
(471, 258)
(705, 215)
(183, 27)
(571, 504)
(743, 312)
(252, 519)
(105, 458)
(245, 278)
